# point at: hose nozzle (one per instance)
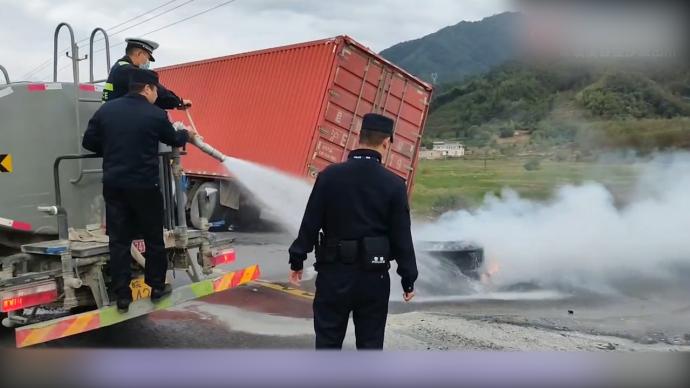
(214, 153)
(199, 143)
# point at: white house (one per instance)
(442, 150)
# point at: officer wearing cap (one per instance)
(139, 55)
(358, 220)
(126, 133)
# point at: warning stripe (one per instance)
(90, 88)
(44, 87)
(36, 87)
(63, 328)
(6, 164)
(17, 225)
(234, 279)
(76, 324)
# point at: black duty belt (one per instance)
(370, 253)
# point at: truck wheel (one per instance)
(209, 195)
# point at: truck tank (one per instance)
(38, 123)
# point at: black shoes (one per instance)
(158, 293)
(123, 305)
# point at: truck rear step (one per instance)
(107, 316)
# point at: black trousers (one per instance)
(128, 214)
(341, 289)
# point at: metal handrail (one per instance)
(75, 73)
(75, 52)
(4, 72)
(56, 172)
(60, 212)
(107, 51)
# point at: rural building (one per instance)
(443, 150)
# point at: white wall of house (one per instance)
(442, 149)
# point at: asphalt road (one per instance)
(265, 316)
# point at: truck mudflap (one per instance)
(80, 323)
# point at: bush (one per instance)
(532, 165)
(506, 132)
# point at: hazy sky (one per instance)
(26, 31)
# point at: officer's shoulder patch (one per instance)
(122, 63)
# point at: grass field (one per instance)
(442, 185)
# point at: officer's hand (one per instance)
(186, 104)
(193, 133)
(407, 296)
(295, 277)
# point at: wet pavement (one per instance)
(265, 316)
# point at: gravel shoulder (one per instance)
(432, 331)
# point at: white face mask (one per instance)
(146, 65)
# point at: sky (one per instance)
(26, 31)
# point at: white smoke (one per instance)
(581, 239)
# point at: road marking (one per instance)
(286, 289)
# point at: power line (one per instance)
(134, 18)
(191, 17)
(176, 22)
(145, 20)
(37, 69)
(48, 61)
(165, 26)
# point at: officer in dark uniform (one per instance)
(358, 219)
(126, 132)
(139, 54)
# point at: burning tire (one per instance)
(466, 256)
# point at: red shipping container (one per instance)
(298, 108)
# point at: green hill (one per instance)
(458, 51)
(557, 104)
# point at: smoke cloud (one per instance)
(581, 239)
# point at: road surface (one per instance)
(267, 315)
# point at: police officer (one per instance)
(138, 54)
(362, 211)
(126, 132)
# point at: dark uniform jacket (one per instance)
(356, 199)
(126, 132)
(117, 86)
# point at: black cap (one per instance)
(143, 76)
(378, 123)
(144, 44)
